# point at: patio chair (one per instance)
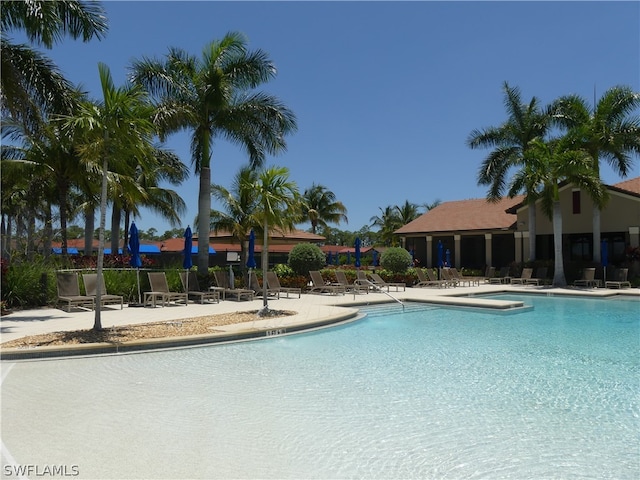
(341, 278)
(462, 279)
(588, 279)
(379, 282)
(191, 287)
(620, 281)
(273, 282)
(449, 278)
(222, 282)
(160, 291)
(90, 282)
(503, 277)
(363, 280)
(434, 280)
(539, 279)
(68, 284)
(320, 286)
(524, 276)
(254, 284)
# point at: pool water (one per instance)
(427, 393)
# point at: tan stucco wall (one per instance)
(621, 212)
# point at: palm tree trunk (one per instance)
(558, 271)
(89, 226)
(115, 228)
(97, 323)
(532, 231)
(596, 234)
(47, 230)
(265, 266)
(204, 215)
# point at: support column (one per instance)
(526, 254)
(518, 244)
(488, 249)
(429, 263)
(634, 236)
(456, 249)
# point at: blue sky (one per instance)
(385, 93)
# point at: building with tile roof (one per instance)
(478, 233)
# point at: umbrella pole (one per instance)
(138, 282)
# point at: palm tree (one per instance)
(607, 132)
(117, 127)
(276, 197)
(407, 212)
(30, 82)
(510, 142)
(388, 222)
(321, 208)
(240, 204)
(546, 166)
(213, 97)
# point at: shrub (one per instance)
(305, 257)
(395, 259)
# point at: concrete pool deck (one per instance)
(312, 311)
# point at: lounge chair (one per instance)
(462, 279)
(433, 279)
(363, 280)
(588, 279)
(318, 285)
(539, 279)
(191, 286)
(524, 276)
(222, 282)
(341, 278)
(620, 281)
(90, 280)
(273, 282)
(68, 284)
(449, 278)
(160, 291)
(379, 282)
(503, 276)
(254, 284)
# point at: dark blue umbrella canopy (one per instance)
(375, 258)
(358, 243)
(448, 256)
(187, 262)
(329, 258)
(440, 254)
(134, 247)
(251, 260)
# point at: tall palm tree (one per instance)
(609, 131)
(320, 207)
(30, 82)
(239, 203)
(276, 197)
(213, 97)
(117, 127)
(546, 165)
(388, 222)
(510, 143)
(407, 212)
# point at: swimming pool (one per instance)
(429, 393)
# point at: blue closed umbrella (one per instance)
(358, 243)
(135, 260)
(251, 261)
(440, 254)
(375, 258)
(187, 262)
(329, 259)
